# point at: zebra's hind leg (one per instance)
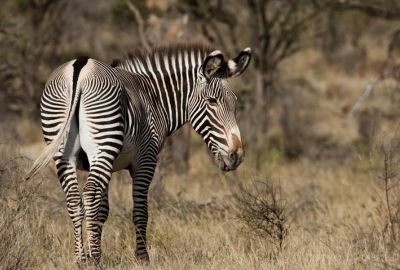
(66, 171)
(141, 182)
(101, 218)
(95, 199)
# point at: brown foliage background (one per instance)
(318, 112)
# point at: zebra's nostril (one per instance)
(232, 155)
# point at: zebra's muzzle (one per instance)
(230, 161)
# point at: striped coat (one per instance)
(103, 119)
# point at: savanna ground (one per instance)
(330, 205)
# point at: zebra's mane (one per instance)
(165, 50)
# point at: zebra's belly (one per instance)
(125, 158)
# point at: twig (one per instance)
(387, 180)
(390, 13)
(368, 90)
(140, 22)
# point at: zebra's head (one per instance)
(212, 108)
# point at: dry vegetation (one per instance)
(338, 219)
(331, 200)
(335, 209)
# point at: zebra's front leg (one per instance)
(66, 172)
(141, 182)
(95, 197)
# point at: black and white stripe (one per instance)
(104, 119)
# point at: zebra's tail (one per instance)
(51, 149)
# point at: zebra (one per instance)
(104, 118)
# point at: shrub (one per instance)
(263, 209)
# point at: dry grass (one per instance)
(337, 204)
(337, 222)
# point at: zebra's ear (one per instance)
(212, 63)
(237, 65)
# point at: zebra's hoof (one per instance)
(93, 259)
(80, 260)
(142, 257)
(80, 263)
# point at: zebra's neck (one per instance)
(169, 78)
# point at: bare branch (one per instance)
(288, 38)
(219, 35)
(139, 19)
(368, 90)
(368, 8)
(207, 34)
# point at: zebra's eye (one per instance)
(212, 101)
